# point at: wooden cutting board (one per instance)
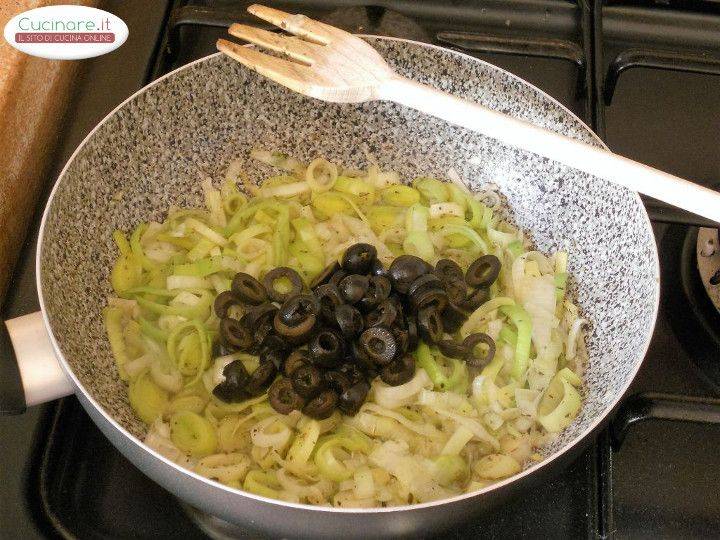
(34, 93)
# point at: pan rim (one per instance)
(232, 492)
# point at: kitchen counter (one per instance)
(101, 84)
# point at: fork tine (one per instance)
(291, 74)
(293, 47)
(295, 24)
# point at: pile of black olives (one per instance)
(357, 321)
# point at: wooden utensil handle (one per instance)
(521, 134)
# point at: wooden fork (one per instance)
(332, 65)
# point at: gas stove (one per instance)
(643, 75)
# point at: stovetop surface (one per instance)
(60, 477)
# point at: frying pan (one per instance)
(153, 150)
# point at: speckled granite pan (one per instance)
(153, 151)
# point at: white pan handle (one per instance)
(29, 369)
(521, 134)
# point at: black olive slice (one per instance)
(378, 290)
(456, 291)
(283, 397)
(296, 359)
(452, 318)
(452, 278)
(296, 335)
(476, 299)
(436, 298)
(430, 325)
(260, 379)
(362, 360)
(379, 344)
(400, 307)
(413, 333)
(377, 269)
(235, 335)
(229, 393)
(423, 283)
(385, 315)
(223, 302)
(259, 321)
(235, 374)
(259, 314)
(353, 287)
(272, 342)
(248, 289)
(296, 309)
(401, 338)
(220, 349)
(262, 332)
(329, 299)
(275, 355)
(349, 320)
(337, 380)
(337, 277)
(449, 270)
(399, 371)
(322, 405)
(275, 275)
(352, 372)
(483, 271)
(307, 381)
(473, 356)
(352, 399)
(406, 269)
(296, 318)
(452, 349)
(358, 258)
(326, 348)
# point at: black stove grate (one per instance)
(579, 39)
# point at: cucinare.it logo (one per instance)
(66, 32)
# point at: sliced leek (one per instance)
(449, 430)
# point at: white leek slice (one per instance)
(206, 231)
(573, 335)
(224, 467)
(559, 405)
(480, 313)
(270, 433)
(426, 429)
(446, 400)
(497, 466)
(321, 175)
(286, 190)
(186, 282)
(446, 209)
(364, 485)
(473, 425)
(391, 397)
(303, 445)
(527, 401)
(457, 441)
(570, 376)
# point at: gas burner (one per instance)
(377, 21)
(693, 304)
(708, 262)
(216, 528)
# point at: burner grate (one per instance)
(580, 39)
